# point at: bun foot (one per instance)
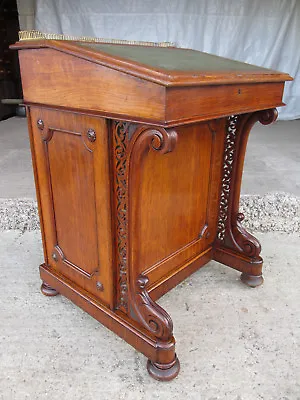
(252, 280)
(163, 372)
(48, 290)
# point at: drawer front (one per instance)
(70, 154)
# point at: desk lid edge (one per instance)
(161, 76)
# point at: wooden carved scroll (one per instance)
(131, 144)
(230, 233)
(150, 314)
(145, 139)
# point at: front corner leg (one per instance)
(252, 274)
(238, 249)
(234, 246)
(164, 366)
(250, 248)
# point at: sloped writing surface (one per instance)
(167, 66)
(174, 59)
(75, 75)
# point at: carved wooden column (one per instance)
(131, 144)
(235, 246)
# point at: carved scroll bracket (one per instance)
(150, 314)
(131, 144)
(145, 139)
(230, 232)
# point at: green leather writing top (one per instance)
(173, 59)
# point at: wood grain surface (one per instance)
(138, 174)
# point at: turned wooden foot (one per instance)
(163, 372)
(252, 280)
(48, 290)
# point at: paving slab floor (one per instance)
(233, 342)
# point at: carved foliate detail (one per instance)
(120, 139)
(248, 243)
(131, 143)
(229, 156)
(231, 233)
(150, 314)
(244, 241)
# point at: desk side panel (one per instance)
(175, 201)
(72, 177)
(53, 78)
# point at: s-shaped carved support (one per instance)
(144, 310)
(235, 246)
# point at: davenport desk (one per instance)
(138, 154)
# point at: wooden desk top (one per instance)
(169, 66)
(165, 86)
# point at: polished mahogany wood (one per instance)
(74, 190)
(142, 92)
(138, 174)
(163, 76)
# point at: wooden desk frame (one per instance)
(118, 153)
